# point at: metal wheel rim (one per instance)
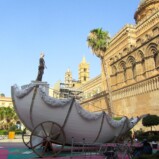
(27, 143)
(48, 137)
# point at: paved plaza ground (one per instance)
(15, 149)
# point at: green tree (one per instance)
(150, 120)
(98, 40)
(1, 114)
(8, 116)
(2, 95)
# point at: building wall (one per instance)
(135, 72)
(93, 95)
(6, 102)
(132, 62)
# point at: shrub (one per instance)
(3, 132)
(18, 132)
(149, 135)
(117, 118)
(154, 156)
(150, 120)
(13, 128)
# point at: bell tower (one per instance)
(68, 78)
(83, 71)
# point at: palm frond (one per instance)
(98, 41)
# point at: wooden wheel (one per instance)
(47, 139)
(26, 137)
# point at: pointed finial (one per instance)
(83, 60)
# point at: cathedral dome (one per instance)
(145, 9)
(141, 2)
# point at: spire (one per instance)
(68, 70)
(83, 60)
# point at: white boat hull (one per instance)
(34, 106)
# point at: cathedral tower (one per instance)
(83, 71)
(68, 78)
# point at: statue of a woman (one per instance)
(41, 67)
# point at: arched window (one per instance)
(122, 66)
(141, 59)
(114, 70)
(134, 70)
(132, 63)
(152, 51)
(156, 58)
(85, 70)
(124, 73)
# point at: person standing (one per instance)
(41, 67)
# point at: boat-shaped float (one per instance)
(62, 121)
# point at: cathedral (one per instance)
(132, 62)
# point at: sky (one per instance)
(59, 29)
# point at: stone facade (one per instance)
(5, 101)
(132, 62)
(83, 71)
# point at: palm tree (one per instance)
(98, 40)
(8, 116)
